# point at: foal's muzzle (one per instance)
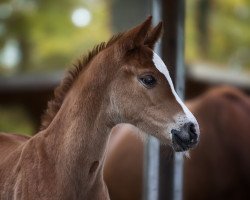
(185, 138)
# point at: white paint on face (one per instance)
(180, 119)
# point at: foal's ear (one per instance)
(154, 35)
(136, 37)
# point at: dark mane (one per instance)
(72, 74)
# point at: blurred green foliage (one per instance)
(48, 41)
(15, 119)
(47, 38)
(218, 31)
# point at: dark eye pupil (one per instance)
(148, 80)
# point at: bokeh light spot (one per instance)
(81, 17)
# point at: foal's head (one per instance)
(142, 92)
(131, 84)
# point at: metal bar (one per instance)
(163, 172)
(151, 169)
(180, 89)
(171, 186)
(152, 148)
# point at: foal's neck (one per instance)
(78, 135)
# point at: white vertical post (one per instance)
(151, 169)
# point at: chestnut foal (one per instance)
(121, 81)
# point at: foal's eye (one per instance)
(148, 81)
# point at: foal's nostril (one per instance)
(192, 132)
(191, 128)
(186, 137)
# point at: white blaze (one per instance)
(160, 65)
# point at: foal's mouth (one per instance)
(179, 145)
(185, 138)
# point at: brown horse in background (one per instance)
(121, 81)
(219, 168)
